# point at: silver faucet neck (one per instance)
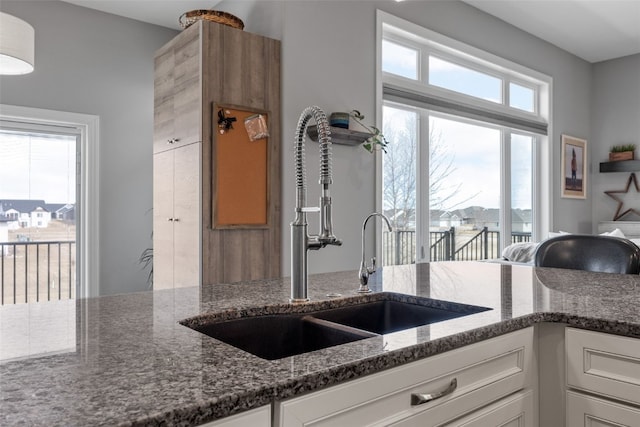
(365, 271)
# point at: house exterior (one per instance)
(25, 213)
(61, 211)
(4, 233)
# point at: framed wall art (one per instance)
(574, 167)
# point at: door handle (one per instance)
(419, 399)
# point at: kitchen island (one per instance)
(127, 361)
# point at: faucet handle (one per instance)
(372, 269)
(310, 209)
(334, 241)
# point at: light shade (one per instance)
(17, 45)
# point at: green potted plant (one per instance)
(622, 152)
(377, 140)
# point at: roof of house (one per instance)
(22, 206)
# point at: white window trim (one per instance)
(88, 236)
(542, 195)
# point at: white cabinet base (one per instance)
(485, 372)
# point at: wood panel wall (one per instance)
(240, 69)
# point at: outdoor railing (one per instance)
(399, 246)
(37, 271)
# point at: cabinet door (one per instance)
(589, 411)
(177, 92)
(163, 220)
(605, 364)
(186, 209)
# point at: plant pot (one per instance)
(622, 155)
(339, 120)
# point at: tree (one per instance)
(399, 172)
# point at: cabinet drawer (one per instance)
(605, 364)
(588, 411)
(484, 372)
(516, 410)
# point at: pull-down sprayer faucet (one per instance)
(301, 241)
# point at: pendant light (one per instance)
(17, 45)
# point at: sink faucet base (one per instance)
(299, 242)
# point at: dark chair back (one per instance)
(591, 253)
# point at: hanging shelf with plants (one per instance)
(371, 139)
(622, 152)
(621, 159)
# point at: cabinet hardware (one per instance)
(419, 399)
(172, 140)
(169, 219)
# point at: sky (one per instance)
(37, 167)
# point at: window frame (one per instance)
(459, 53)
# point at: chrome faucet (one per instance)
(301, 241)
(365, 271)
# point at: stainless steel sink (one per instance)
(281, 335)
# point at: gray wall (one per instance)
(615, 119)
(96, 63)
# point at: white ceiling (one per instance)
(595, 30)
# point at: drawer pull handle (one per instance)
(419, 399)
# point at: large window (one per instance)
(466, 170)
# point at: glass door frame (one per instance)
(88, 194)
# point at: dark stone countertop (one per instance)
(125, 360)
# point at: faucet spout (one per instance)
(301, 241)
(365, 271)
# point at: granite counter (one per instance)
(125, 360)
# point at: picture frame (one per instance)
(574, 167)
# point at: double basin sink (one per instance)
(275, 336)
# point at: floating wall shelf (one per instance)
(340, 135)
(620, 166)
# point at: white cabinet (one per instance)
(607, 367)
(452, 384)
(259, 417)
(589, 411)
(176, 194)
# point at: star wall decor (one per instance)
(612, 194)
